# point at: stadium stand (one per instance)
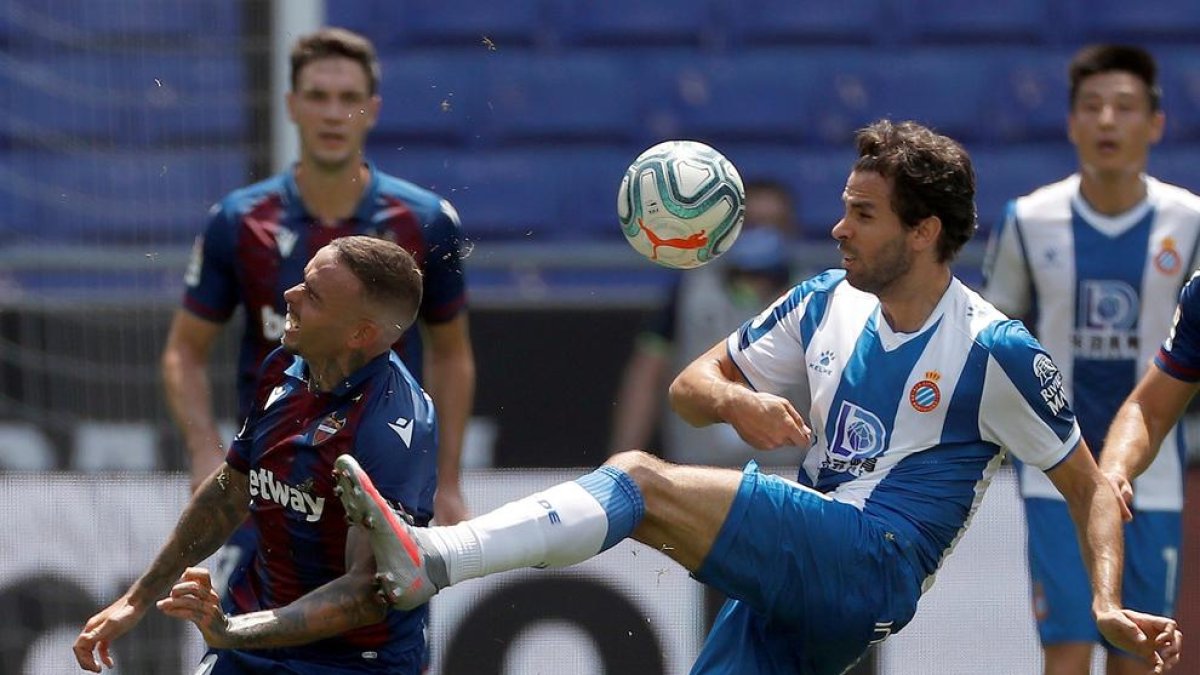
(1014, 22)
(116, 99)
(551, 101)
(114, 446)
(120, 196)
(23, 447)
(431, 98)
(576, 98)
(1159, 24)
(635, 23)
(784, 22)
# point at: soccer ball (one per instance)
(681, 204)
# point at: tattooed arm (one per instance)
(216, 509)
(348, 602)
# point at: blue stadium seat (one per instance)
(431, 98)
(973, 23)
(548, 99)
(816, 177)
(758, 96)
(588, 209)
(775, 22)
(508, 195)
(848, 92)
(1175, 163)
(148, 98)
(947, 90)
(18, 219)
(380, 21)
(148, 197)
(636, 23)
(432, 169)
(466, 22)
(1150, 24)
(1004, 172)
(199, 23)
(1031, 96)
(1179, 77)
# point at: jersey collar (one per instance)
(299, 369)
(366, 204)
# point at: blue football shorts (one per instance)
(1062, 592)
(812, 582)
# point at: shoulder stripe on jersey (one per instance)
(1031, 371)
(962, 415)
(818, 290)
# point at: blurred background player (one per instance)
(705, 305)
(1094, 263)
(259, 238)
(335, 387)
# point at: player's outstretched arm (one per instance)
(346, 603)
(216, 509)
(1141, 424)
(1095, 509)
(711, 389)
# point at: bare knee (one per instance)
(646, 470)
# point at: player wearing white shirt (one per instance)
(917, 386)
(1094, 262)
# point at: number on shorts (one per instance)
(1170, 556)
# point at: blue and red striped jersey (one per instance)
(259, 238)
(287, 447)
(1179, 355)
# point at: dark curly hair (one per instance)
(931, 175)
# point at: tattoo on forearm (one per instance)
(214, 512)
(332, 609)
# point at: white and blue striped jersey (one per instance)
(909, 427)
(1099, 292)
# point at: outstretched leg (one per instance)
(676, 509)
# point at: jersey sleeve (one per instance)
(769, 348)
(445, 286)
(211, 279)
(396, 444)
(1024, 404)
(1179, 355)
(1005, 271)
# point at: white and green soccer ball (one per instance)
(681, 204)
